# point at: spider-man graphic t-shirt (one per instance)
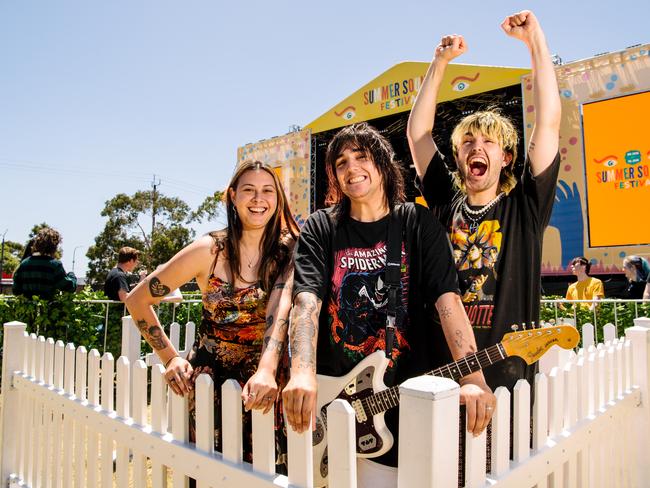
(343, 263)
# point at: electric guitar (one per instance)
(364, 389)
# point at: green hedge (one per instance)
(606, 313)
(73, 318)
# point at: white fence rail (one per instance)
(71, 418)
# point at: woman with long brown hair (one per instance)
(245, 273)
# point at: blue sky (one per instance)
(97, 97)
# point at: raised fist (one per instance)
(450, 47)
(521, 25)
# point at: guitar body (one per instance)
(373, 437)
(365, 391)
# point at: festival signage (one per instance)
(617, 168)
(394, 91)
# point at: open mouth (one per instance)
(257, 210)
(477, 167)
(356, 179)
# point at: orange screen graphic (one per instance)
(617, 166)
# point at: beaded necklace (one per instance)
(476, 216)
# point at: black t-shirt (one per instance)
(115, 281)
(498, 258)
(634, 290)
(343, 265)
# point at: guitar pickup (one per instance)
(359, 411)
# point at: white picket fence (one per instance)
(69, 419)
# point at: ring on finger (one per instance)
(268, 398)
(489, 408)
(252, 394)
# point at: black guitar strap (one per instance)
(393, 274)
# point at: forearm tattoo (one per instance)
(531, 146)
(303, 333)
(271, 344)
(460, 341)
(157, 289)
(269, 323)
(153, 334)
(445, 313)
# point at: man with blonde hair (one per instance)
(495, 221)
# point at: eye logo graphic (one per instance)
(348, 113)
(462, 83)
(608, 161)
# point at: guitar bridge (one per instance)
(359, 411)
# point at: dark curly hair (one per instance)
(47, 241)
(365, 138)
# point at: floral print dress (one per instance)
(228, 346)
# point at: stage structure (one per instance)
(603, 189)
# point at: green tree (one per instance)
(149, 221)
(210, 208)
(13, 252)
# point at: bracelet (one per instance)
(170, 359)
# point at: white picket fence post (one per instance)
(130, 339)
(639, 336)
(342, 461)
(12, 360)
(428, 437)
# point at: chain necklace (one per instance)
(476, 216)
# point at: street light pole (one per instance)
(73, 253)
(2, 253)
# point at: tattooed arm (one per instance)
(261, 390)
(475, 394)
(299, 395)
(189, 263)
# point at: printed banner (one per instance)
(617, 164)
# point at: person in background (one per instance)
(245, 274)
(637, 271)
(29, 249)
(587, 287)
(41, 274)
(119, 279)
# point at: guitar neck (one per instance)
(389, 398)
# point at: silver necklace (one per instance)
(475, 216)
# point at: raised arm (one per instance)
(187, 264)
(299, 396)
(261, 390)
(421, 119)
(475, 394)
(544, 140)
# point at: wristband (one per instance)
(170, 359)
